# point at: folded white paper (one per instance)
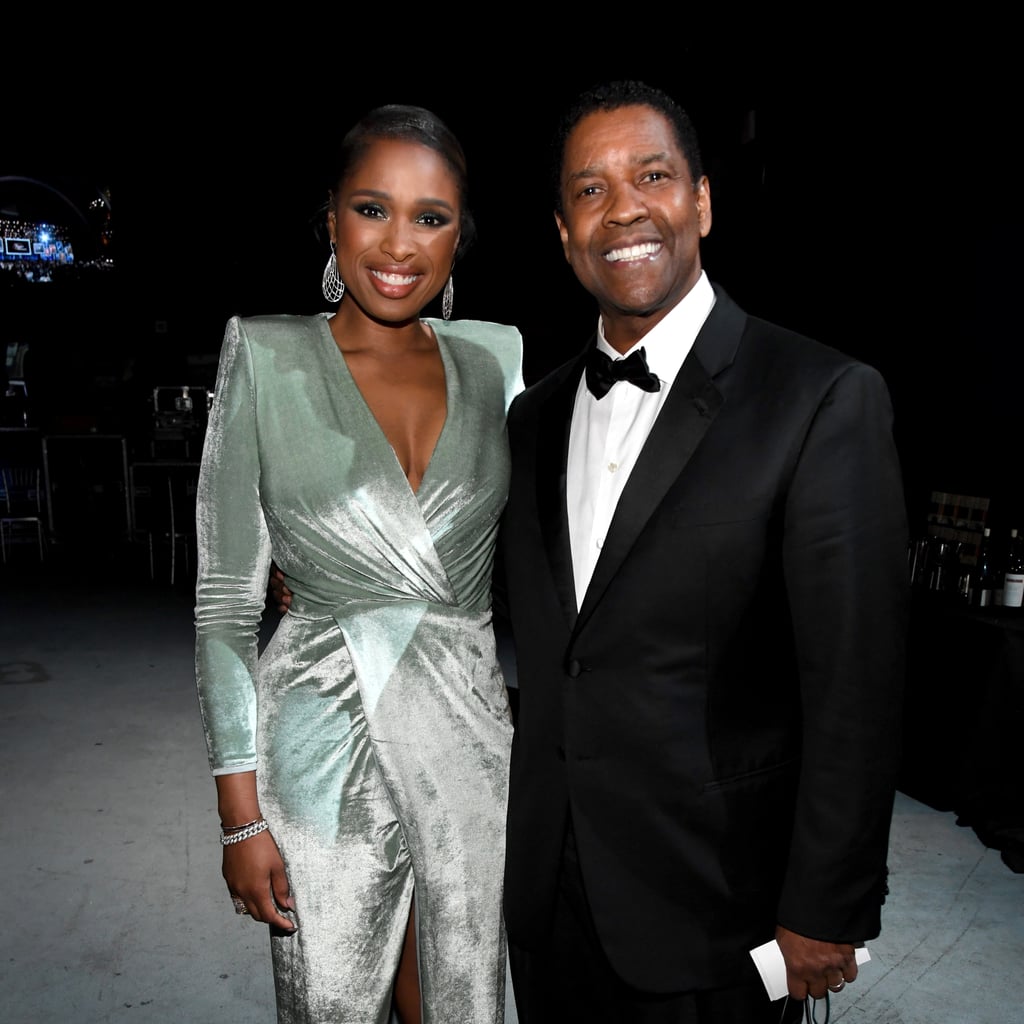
(772, 967)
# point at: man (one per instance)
(705, 574)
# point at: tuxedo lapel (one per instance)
(552, 459)
(688, 412)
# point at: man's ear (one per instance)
(563, 233)
(704, 206)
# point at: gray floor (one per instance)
(109, 854)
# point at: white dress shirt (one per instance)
(606, 435)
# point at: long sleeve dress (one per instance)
(377, 717)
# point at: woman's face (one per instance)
(396, 225)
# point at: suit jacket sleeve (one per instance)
(844, 562)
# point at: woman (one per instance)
(361, 762)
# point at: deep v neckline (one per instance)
(350, 381)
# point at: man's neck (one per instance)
(623, 332)
(623, 329)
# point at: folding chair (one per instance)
(21, 505)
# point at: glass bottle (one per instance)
(1013, 578)
(983, 579)
(945, 568)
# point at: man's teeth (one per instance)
(633, 252)
(394, 278)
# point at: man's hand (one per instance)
(814, 967)
(278, 591)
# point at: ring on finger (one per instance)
(839, 986)
(240, 907)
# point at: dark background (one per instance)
(864, 187)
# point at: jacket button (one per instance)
(573, 668)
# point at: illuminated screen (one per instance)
(34, 242)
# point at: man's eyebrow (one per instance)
(583, 172)
(661, 157)
(644, 160)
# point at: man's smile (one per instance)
(633, 252)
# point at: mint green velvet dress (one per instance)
(377, 717)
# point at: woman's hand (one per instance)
(257, 880)
(253, 867)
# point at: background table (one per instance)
(964, 718)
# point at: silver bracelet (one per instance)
(247, 833)
(238, 828)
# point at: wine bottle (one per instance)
(1013, 578)
(983, 579)
(999, 559)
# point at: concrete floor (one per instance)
(108, 837)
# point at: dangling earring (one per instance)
(332, 284)
(446, 299)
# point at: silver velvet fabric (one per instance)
(377, 718)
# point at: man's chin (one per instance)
(639, 307)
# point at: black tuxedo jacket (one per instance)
(721, 717)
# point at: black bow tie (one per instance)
(603, 372)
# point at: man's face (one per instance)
(632, 217)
